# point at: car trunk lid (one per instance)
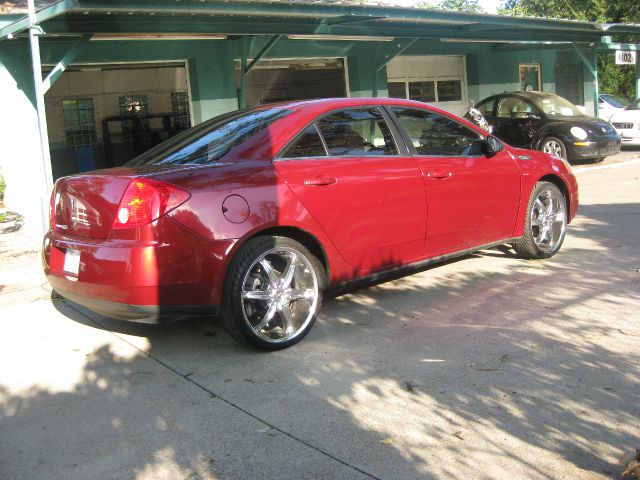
(86, 205)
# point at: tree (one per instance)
(469, 6)
(612, 78)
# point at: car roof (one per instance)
(333, 103)
(526, 95)
(315, 107)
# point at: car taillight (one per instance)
(52, 210)
(146, 200)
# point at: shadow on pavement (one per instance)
(427, 376)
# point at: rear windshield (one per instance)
(209, 141)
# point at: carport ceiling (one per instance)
(242, 17)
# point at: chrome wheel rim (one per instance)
(279, 294)
(552, 147)
(548, 220)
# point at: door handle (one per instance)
(320, 181)
(439, 174)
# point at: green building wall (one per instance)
(211, 75)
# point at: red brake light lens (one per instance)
(146, 200)
(52, 210)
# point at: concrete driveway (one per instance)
(486, 367)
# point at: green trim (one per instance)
(242, 101)
(269, 25)
(399, 50)
(275, 39)
(41, 16)
(350, 19)
(66, 61)
(334, 10)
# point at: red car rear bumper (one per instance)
(144, 281)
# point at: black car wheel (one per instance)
(554, 146)
(272, 293)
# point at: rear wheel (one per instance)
(545, 224)
(554, 146)
(272, 293)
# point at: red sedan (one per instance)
(254, 213)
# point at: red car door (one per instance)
(349, 173)
(472, 199)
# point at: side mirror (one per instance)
(492, 146)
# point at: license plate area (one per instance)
(72, 261)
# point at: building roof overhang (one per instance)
(305, 18)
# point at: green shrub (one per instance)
(3, 186)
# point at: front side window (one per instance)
(511, 107)
(357, 132)
(210, 141)
(433, 134)
(487, 107)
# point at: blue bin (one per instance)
(85, 159)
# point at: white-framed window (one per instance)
(426, 90)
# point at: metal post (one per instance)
(592, 65)
(596, 90)
(34, 31)
(637, 74)
(243, 73)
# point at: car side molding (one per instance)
(402, 270)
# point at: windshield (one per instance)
(635, 105)
(210, 140)
(614, 101)
(555, 105)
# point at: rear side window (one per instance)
(208, 142)
(308, 145)
(357, 132)
(433, 134)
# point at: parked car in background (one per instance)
(610, 104)
(254, 213)
(627, 123)
(547, 122)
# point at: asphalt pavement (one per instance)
(487, 367)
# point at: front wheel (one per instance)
(272, 293)
(554, 146)
(545, 224)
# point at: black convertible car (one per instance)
(550, 123)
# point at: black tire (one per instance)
(537, 223)
(242, 316)
(554, 146)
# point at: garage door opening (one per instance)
(104, 115)
(436, 79)
(294, 79)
